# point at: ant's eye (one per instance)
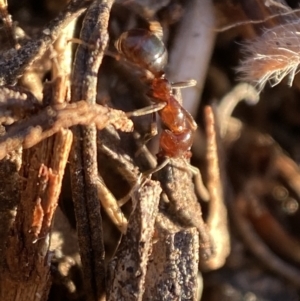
(143, 48)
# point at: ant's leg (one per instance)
(111, 206)
(80, 42)
(141, 180)
(157, 168)
(153, 132)
(201, 190)
(176, 90)
(184, 84)
(176, 87)
(147, 110)
(153, 128)
(127, 197)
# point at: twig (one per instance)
(288, 170)
(217, 218)
(228, 103)
(273, 16)
(111, 205)
(257, 246)
(84, 169)
(54, 118)
(267, 226)
(195, 32)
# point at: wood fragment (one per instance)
(27, 273)
(267, 226)
(173, 267)
(127, 270)
(184, 206)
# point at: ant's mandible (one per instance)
(144, 49)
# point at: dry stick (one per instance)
(26, 275)
(57, 117)
(288, 170)
(84, 169)
(258, 247)
(269, 228)
(195, 31)
(217, 221)
(242, 23)
(14, 62)
(259, 10)
(229, 102)
(111, 205)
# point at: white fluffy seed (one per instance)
(272, 56)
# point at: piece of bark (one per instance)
(26, 274)
(127, 270)
(173, 265)
(9, 195)
(184, 208)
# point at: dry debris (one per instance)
(83, 215)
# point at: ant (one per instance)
(146, 50)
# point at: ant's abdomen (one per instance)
(143, 48)
(176, 145)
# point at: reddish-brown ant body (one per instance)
(146, 50)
